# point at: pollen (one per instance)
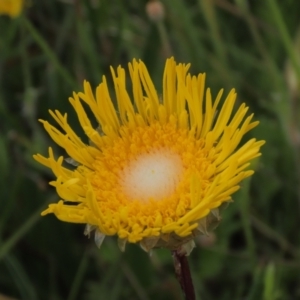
(152, 176)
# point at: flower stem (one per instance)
(183, 274)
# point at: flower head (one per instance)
(11, 7)
(157, 168)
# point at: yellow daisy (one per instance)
(12, 8)
(158, 167)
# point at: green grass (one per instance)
(46, 53)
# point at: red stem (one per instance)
(183, 275)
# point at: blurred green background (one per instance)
(47, 52)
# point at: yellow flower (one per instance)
(157, 168)
(12, 8)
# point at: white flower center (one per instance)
(152, 176)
